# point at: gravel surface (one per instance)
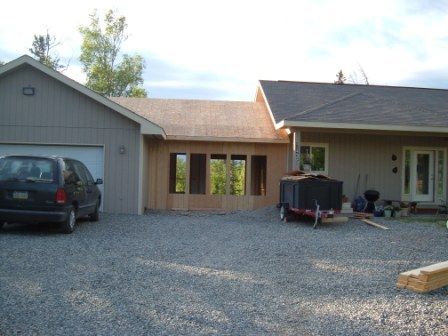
(245, 273)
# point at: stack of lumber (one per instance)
(425, 279)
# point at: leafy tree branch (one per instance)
(107, 72)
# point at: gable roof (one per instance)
(326, 105)
(208, 120)
(146, 126)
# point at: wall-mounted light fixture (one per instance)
(122, 149)
(28, 91)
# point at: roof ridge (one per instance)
(187, 99)
(315, 108)
(354, 84)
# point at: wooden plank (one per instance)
(429, 277)
(375, 224)
(338, 219)
(427, 288)
(416, 282)
(436, 268)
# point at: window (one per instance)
(218, 174)
(90, 179)
(258, 175)
(238, 175)
(197, 173)
(80, 171)
(27, 169)
(178, 173)
(70, 175)
(313, 158)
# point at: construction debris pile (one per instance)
(425, 279)
(301, 175)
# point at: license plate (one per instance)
(20, 195)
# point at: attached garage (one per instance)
(91, 156)
(43, 112)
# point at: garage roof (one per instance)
(207, 120)
(146, 126)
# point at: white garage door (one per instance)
(91, 156)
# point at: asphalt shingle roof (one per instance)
(180, 118)
(356, 104)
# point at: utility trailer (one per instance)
(308, 195)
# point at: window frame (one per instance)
(316, 144)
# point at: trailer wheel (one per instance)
(283, 212)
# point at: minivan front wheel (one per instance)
(2, 224)
(68, 226)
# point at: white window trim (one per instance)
(409, 197)
(317, 144)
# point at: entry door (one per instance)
(424, 176)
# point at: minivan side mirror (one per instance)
(99, 181)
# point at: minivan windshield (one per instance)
(27, 169)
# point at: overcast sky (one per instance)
(219, 49)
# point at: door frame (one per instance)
(436, 195)
(430, 197)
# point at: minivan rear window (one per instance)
(27, 169)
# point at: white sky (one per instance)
(219, 49)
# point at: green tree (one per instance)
(237, 177)
(218, 176)
(340, 78)
(2, 63)
(181, 173)
(107, 72)
(43, 50)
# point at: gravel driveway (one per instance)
(244, 273)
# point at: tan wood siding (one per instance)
(371, 155)
(160, 198)
(57, 114)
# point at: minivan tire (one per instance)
(2, 224)
(68, 226)
(95, 216)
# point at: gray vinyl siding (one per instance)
(58, 114)
(371, 155)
